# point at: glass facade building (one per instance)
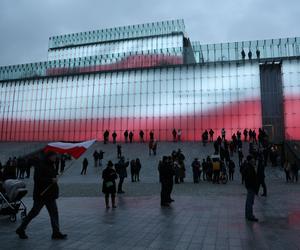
(150, 77)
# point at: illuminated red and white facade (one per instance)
(149, 77)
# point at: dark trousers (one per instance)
(196, 176)
(249, 203)
(216, 176)
(37, 206)
(287, 176)
(83, 171)
(263, 184)
(231, 175)
(166, 190)
(120, 185)
(28, 172)
(295, 176)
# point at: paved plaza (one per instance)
(203, 216)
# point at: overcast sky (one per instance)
(25, 25)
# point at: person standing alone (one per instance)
(85, 163)
(251, 184)
(109, 177)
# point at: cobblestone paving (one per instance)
(204, 216)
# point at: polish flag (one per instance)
(74, 149)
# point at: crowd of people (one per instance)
(171, 168)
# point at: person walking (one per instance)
(109, 177)
(45, 193)
(251, 184)
(85, 163)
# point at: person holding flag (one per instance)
(45, 193)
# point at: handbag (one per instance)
(109, 184)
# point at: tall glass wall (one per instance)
(81, 107)
(118, 33)
(291, 92)
(134, 46)
(269, 48)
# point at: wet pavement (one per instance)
(203, 216)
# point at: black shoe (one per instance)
(263, 194)
(165, 204)
(21, 233)
(171, 200)
(59, 236)
(252, 219)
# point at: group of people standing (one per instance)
(128, 136)
(16, 168)
(118, 170)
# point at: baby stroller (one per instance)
(10, 199)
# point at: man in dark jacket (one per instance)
(45, 193)
(121, 169)
(261, 174)
(251, 184)
(166, 173)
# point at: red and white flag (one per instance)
(74, 149)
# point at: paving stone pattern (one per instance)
(203, 216)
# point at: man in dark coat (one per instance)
(251, 184)
(45, 193)
(114, 136)
(119, 151)
(130, 136)
(85, 164)
(166, 173)
(141, 134)
(105, 136)
(101, 154)
(261, 174)
(126, 135)
(196, 170)
(96, 158)
(121, 169)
